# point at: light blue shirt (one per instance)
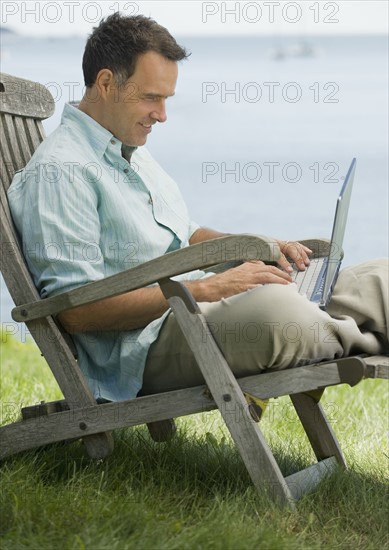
(84, 213)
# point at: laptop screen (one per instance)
(338, 230)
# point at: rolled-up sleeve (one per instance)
(193, 227)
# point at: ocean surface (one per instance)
(260, 133)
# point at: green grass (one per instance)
(193, 492)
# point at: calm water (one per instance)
(260, 132)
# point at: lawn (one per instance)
(192, 492)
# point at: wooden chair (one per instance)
(23, 105)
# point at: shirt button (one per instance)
(126, 170)
(150, 200)
(113, 141)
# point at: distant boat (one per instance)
(304, 49)
(301, 49)
(279, 53)
(7, 30)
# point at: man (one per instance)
(92, 202)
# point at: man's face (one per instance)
(132, 110)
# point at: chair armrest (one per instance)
(197, 256)
(319, 247)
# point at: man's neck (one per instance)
(127, 151)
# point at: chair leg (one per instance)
(98, 446)
(162, 430)
(318, 428)
(256, 455)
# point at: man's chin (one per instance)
(135, 142)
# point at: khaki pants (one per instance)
(273, 326)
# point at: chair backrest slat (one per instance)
(8, 161)
(3, 198)
(35, 132)
(20, 140)
(12, 264)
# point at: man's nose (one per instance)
(159, 114)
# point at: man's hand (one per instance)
(236, 280)
(298, 253)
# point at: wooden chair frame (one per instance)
(24, 105)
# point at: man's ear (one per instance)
(105, 83)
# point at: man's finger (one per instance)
(275, 274)
(284, 264)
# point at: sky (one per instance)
(72, 17)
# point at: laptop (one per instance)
(317, 282)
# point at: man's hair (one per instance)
(118, 41)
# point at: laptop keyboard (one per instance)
(306, 280)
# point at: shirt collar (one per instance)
(98, 136)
